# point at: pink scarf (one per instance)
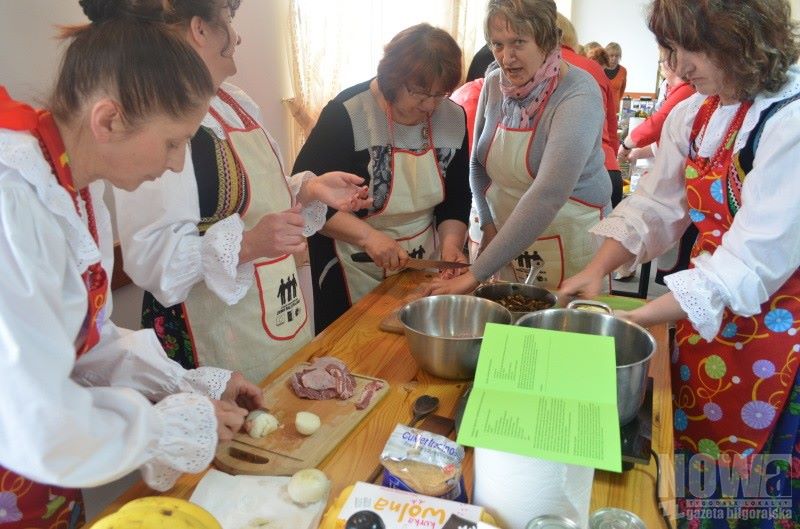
(520, 103)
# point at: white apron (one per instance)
(271, 321)
(407, 215)
(565, 247)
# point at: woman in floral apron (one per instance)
(213, 245)
(727, 162)
(76, 401)
(538, 173)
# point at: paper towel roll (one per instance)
(515, 489)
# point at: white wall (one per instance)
(621, 21)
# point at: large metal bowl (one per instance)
(634, 347)
(444, 333)
(498, 291)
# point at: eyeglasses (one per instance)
(421, 96)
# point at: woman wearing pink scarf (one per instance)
(537, 170)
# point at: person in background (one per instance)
(402, 133)
(599, 55)
(76, 402)
(642, 141)
(727, 161)
(213, 245)
(616, 73)
(569, 41)
(537, 172)
(480, 61)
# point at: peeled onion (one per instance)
(309, 485)
(259, 423)
(306, 422)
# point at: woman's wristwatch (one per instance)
(626, 147)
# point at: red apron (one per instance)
(728, 394)
(25, 504)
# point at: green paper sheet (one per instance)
(546, 394)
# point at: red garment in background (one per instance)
(467, 96)
(610, 138)
(618, 85)
(650, 129)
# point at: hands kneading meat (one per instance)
(329, 378)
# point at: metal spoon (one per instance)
(423, 406)
(532, 274)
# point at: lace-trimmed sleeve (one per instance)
(703, 304)
(314, 212)
(209, 381)
(187, 443)
(220, 255)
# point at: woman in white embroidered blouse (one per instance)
(727, 161)
(212, 245)
(77, 392)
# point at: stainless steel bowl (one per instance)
(444, 333)
(497, 291)
(634, 347)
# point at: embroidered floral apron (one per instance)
(417, 187)
(565, 247)
(25, 504)
(731, 396)
(270, 322)
(729, 392)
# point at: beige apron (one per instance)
(270, 323)
(565, 247)
(407, 215)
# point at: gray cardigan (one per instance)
(566, 156)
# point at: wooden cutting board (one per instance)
(286, 450)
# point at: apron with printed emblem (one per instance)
(731, 396)
(25, 504)
(270, 322)
(417, 186)
(565, 247)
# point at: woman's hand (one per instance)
(385, 251)
(243, 393)
(339, 190)
(586, 284)
(489, 233)
(230, 418)
(274, 234)
(452, 253)
(463, 284)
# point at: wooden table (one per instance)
(356, 339)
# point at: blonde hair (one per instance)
(613, 48)
(569, 37)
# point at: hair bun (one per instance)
(102, 10)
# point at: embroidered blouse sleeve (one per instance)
(654, 217)
(162, 249)
(761, 250)
(49, 420)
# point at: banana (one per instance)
(119, 520)
(167, 502)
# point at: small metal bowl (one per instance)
(444, 333)
(498, 291)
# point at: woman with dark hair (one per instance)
(727, 161)
(537, 172)
(213, 245)
(409, 141)
(76, 398)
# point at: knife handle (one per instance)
(361, 257)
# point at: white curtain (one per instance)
(337, 44)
